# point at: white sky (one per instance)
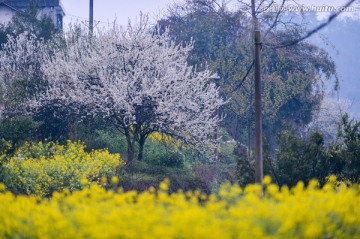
(106, 11)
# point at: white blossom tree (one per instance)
(328, 118)
(138, 78)
(21, 59)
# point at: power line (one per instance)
(309, 33)
(71, 15)
(287, 44)
(84, 18)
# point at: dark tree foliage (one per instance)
(17, 130)
(346, 155)
(302, 160)
(223, 42)
(4, 32)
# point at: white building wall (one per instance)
(5, 15)
(52, 12)
(47, 11)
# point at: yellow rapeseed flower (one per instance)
(103, 180)
(114, 180)
(267, 180)
(93, 212)
(43, 168)
(332, 179)
(84, 181)
(2, 187)
(164, 186)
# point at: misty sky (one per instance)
(106, 11)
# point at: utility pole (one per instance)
(259, 173)
(91, 17)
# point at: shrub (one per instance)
(108, 138)
(302, 160)
(163, 152)
(43, 168)
(167, 159)
(346, 154)
(18, 129)
(145, 175)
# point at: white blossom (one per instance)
(328, 117)
(21, 59)
(138, 77)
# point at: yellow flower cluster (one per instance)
(330, 212)
(41, 169)
(156, 136)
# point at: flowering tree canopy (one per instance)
(328, 118)
(138, 78)
(21, 58)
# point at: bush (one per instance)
(43, 168)
(19, 129)
(346, 154)
(145, 175)
(302, 160)
(109, 138)
(162, 153)
(167, 159)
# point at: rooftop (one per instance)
(19, 4)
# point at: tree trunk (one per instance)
(259, 169)
(130, 151)
(141, 148)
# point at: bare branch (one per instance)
(275, 20)
(244, 78)
(309, 33)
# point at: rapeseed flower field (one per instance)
(94, 212)
(43, 168)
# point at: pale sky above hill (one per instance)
(106, 11)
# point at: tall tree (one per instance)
(137, 78)
(292, 77)
(21, 76)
